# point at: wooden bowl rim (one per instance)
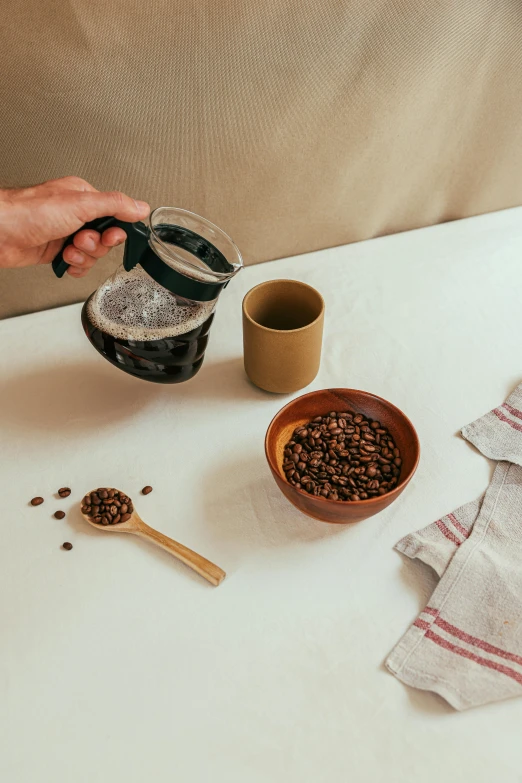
(378, 499)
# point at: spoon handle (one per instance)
(209, 571)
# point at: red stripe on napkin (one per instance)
(444, 529)
(486, 646)
(498, 667)
(498, 413)
(455, 522)
(512, 410)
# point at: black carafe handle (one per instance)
(137, 242)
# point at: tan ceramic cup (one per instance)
(282, 335)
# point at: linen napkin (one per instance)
(436, 543)
(467, 643)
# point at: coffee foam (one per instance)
(132, 306)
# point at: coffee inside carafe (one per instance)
(146, 330)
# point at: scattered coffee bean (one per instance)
(341, 456)
(147, 490)
(64, 492)
(67, 546)
(37, 501)
(107, 506)
(59, 514)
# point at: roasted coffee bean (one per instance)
(341, 456)
(37, 501)
(64, 492)
(67, 546)
(59, 514)
(112, 506)
(146, 490)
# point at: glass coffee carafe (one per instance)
(152, 317)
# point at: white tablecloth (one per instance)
(119, 664)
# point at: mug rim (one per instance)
(283, 331)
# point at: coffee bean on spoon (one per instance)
(107, 506)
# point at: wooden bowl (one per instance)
(320, 403)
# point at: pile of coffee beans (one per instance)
(342, 456)
(107, 506)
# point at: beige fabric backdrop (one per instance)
(293, 124)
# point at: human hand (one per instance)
(35, 221)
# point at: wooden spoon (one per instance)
(212, 573)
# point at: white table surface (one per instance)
(119, 664)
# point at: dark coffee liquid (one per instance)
(170, 360)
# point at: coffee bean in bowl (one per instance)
(106, 506)
(344, 456)
(343, 502)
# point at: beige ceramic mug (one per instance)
(282, 335)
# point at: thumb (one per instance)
(90, 205)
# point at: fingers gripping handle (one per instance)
(60, 266)
(134, 231)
